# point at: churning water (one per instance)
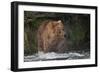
(40, 56)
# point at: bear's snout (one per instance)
(64, 35)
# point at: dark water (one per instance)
(40, 56)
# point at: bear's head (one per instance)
(58, 29)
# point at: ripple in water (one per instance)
(40, 56)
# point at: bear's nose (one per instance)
(64, 35)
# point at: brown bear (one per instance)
(50, 36)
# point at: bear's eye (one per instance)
(59, 32)
(48, 37)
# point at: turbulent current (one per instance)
(40, 56)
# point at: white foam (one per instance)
(52, 55)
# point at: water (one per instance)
(40, 56)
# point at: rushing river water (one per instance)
(40, 56)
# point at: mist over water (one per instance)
(40, 56)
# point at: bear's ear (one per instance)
(59, 21)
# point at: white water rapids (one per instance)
(40, 56)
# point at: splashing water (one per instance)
(40, 56)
